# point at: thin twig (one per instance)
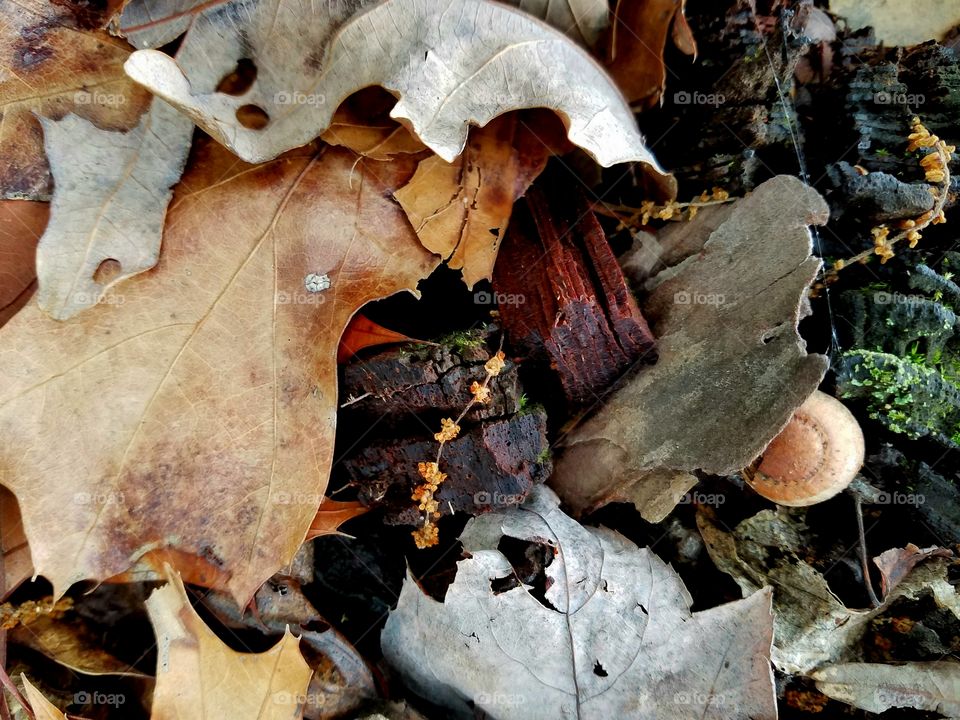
(863, 552)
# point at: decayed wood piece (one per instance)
(563, 299)
(500, 454)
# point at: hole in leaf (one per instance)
(252, 117)
(598, 670)
(107, 271)
(317, 626)
(238, 81)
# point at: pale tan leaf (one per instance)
(109, 201)
(201, 678)
(197, 413)
(48, 68)
(42, 708)
(581, 20)
(451, 64)
(876, 688)
(460, 210)
(612, 637)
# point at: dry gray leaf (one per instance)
(109, 200)
(875, 687)
(581, 20)
(153, 23)
(451, 64)
(613, 635)
(811, 626)
(732, 368)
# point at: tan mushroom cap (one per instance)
(815, 457)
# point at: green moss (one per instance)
(908, 397)
(461, 340)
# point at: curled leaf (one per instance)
(449, 70)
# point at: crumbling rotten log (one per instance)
(402, 393)
(564, 303)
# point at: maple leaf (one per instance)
(613, 636)
(197, 413)
(448, 69)
(53, 67)
(198, 676)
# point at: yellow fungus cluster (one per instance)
(31, 611)
(428, 535)
(935, 165)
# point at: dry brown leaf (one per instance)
(732, 367)
(17, 565)
(377, 140)
(21, 225)
(198, 415)
(896, 563)
(362, 332)
(48, 70)
(71, 644)
(460, 210)
(332, 514)
(637, 42)
(612, 637)
(812, 627)
(422, 55)
(201, 678)
(581, 20)
(42, 708)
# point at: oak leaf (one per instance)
(613, 635)
(198, 676)
(198, 414)
(49, 67)
(451, 64)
